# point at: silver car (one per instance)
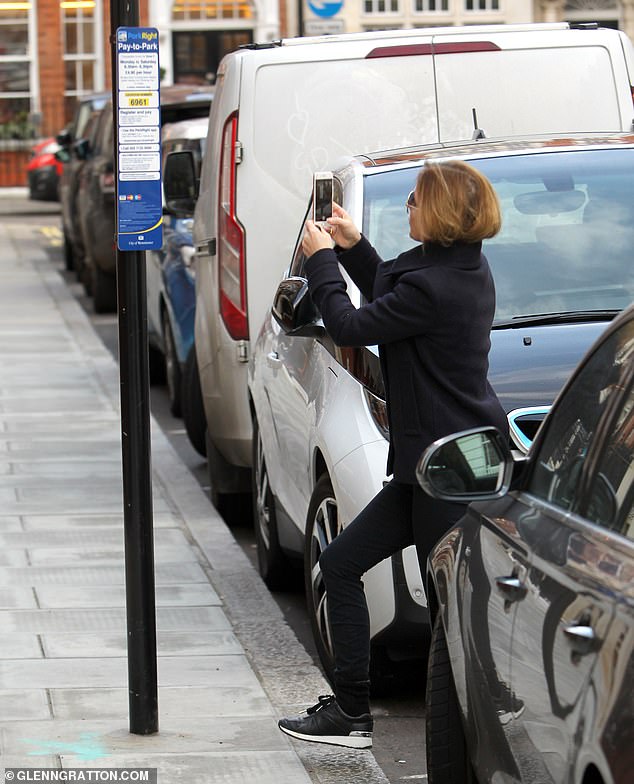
(562, 267)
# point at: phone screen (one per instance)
(322, 206)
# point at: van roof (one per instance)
(422, 31)
(528, 144)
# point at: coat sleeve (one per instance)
(406, 311)
(361, 263)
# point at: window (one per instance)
(79, 32)
(612, 490)
(15, 70)
(585, 411)
(212, 9)
(431, 6)
(381, 6)
(482, 5)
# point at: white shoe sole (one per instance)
(349, 741)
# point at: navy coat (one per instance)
(430, 311)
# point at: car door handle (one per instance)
(512, 588)
(582, 638)
(273, 360)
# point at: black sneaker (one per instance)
(327, 723)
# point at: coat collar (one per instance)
(461, 255)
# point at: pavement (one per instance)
(63, 658)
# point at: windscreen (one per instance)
(567, 235)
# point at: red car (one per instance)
(44, 171)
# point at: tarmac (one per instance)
(64, 699)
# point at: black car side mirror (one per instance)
(64, 138)
(294, 311)
(180, 183)
(82, 149)
(474, 465)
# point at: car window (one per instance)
(586, 408)
(612, 489)
(567, 228)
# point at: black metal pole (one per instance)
(136, 452)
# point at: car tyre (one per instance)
(192, 409)
(447, 758)
(104, 291)
(69, 261)
(173, 375)
(322, 526)
(273, 564)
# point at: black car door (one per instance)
(564, 624)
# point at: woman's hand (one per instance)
(342, 229)
(315, 239)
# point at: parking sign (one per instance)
(139, 194)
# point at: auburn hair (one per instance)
(455, 203)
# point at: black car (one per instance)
(96, 190)
(73, 154)
(531, 595)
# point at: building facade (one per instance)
(51, 51)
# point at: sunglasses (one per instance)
(410, 204)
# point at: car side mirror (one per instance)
(82, 149)
(474, 465)
(64, 138)
(294, 311)
(180, 183)
(62, 155)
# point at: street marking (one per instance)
(53, 234)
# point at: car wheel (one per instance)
(322, 526)
(157, 365)
(447, 758)
(173, 373)
(104, 291)
(69, 261)
(273, 564)
(192, 404)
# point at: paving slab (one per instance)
(165, 574)
(174, 701)
(243, 767)
(169, 643)
(109, 619)
(189, 595)
(25, 704)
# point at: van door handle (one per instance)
(512, 588)
(582, 638)
(273, 360)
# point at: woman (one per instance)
(430, 311)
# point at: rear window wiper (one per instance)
(562, 317)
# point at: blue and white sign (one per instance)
(324, 8)
(139, 193)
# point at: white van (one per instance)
(284, 110)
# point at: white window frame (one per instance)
(96, 56)
(376, 12)
(489, 7)
(427, 10)
(30, 57)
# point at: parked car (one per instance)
(530, 594)
(381, 88)
(96, 203)
(562, 268)
(171, 294)
(73, 154)
(44, 171)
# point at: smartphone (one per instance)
(322, 196)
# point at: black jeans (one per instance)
(398, 516)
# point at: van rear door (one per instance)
(576, 81)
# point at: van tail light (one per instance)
(106, 182)
(231, 240)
